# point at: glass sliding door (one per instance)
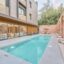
(17, 31)
(11, 31)
(3, 31)
(23, 30)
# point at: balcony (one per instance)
(4, 9)
(23, 2)
(22, 18)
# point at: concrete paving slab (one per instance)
(6, 58)
(52, 55)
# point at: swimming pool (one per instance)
(30, 50)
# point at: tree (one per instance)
(60, 8)
(50, 15)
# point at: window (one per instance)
(30, 16)
(30, 4)
(22, 10)
(7, 3)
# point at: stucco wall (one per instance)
(3, 8)
(13, 8)
(60, 25)
(50, 29)
(33, 11)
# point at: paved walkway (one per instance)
(6, 58)
(52, 55)
(62, 48)
(15, 40)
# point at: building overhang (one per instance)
(9, 19)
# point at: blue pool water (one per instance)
(30, 50)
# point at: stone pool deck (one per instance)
(61, 48)
(15, 40)
(6, 58)
(52, 54)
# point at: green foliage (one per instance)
(50, 15)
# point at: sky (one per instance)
(55, 3)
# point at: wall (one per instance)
(3, 8)
(60, 25)
(50, 29)
(33, 11)
(13, 8)
(32, 30)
